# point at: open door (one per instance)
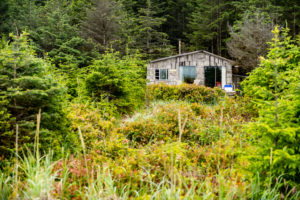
(213, 76)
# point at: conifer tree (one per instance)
(119, 81)
(207, 28)
(27, 87)
(275, 88)
(103, 22)
(148, 37)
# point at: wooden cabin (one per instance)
(198, 67)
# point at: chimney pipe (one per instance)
(179, 46)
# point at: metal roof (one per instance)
(190, 53)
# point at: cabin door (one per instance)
(188, 74)
(213, 76)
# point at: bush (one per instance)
(200, 124)
(119, 81)
(91, 123)
(185, 92)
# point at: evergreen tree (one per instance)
(60, 39)
(148, 37)
(290, 13)
(276, 91)
(279, 11)
(103, 22)
(27, 88)
(4, 16)
(269, 8)
(176, 13)
(207, 28)
(118, 81)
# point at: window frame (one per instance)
(182, 64)
(158, 74)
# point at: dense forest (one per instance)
(79, 121)
(78, 31)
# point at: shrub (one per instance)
(91, 123)
(200, 124)
(118, 80)
(185, 92)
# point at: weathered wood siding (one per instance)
(198, 59)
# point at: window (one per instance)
(182, 63)
(157, 74)
(188, 74)
(161, 74)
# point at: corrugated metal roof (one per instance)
(190, 53)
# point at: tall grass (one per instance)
(103, 186)
(37, 176)
(40, 178)
(6, 186)
(272, 191)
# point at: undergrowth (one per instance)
(169, 150)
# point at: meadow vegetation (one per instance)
(119, 139)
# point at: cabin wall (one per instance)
(199, 60)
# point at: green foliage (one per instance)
(39, 176)
(147, 147)
(5, 126)
(60, 39)
(26, 87)
(184, 92)
(149, 39)
(5, 186)
(199, 124)
(275, 87)
(103, 23)
(192, 146)
(3, 16)
(54, 30)
(91, 122)
(118, 81)
(284, 54)
(207, 24)
(199, 23)
(169, 168)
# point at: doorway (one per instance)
(213, 76)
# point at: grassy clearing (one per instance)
(170, 150)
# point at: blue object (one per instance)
(228, 88)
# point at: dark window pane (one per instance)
(182, 63)
(157, 74)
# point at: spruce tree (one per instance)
(149, 38)
(103, 22)
(26, 87)
(275, 89)
(207, 27)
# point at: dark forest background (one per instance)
(77, 31)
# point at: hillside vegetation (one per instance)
(79, 121)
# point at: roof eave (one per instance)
(189, 53)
